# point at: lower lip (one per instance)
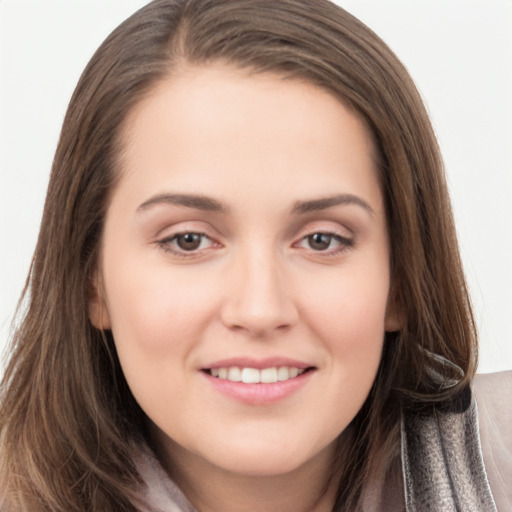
(259, 394)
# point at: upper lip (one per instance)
(259, 364)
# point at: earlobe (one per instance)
(394, 320)
(98, 311)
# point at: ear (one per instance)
(394, 320)
(98, 311)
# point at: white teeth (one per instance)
(251, 376)
(283, 373)
(255, 376)
(235, 374)
(269, 375)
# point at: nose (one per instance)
(259, 300)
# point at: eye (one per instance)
(189, 242)
(325, 242)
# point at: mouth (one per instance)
(258, 381)
(248, 375)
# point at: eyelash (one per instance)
(345, 243)
(165, 243)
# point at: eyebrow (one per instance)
(209, 204)
(197, 202)
(302, 207)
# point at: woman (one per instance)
(246, 292)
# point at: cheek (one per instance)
(158, 317)
(347, 313)
(156, 310)
(349, 306)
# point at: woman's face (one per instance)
(246, 239)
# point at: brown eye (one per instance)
(189, 241)
(330, 244)
(187, 244)
(320, 241)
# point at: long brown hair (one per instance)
(67, 419)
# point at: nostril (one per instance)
(257, 302)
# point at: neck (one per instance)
(209, 488)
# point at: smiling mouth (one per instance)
(257, 376)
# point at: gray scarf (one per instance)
(442, 460)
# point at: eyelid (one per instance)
(343, 235)
(164, 242)
(342, 239)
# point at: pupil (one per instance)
(189, 241)
(319, 241)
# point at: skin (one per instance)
(256, 286)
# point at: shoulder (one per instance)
(493, 393)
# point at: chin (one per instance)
(267, 456)
(269, 464)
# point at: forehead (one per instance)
(207, 126)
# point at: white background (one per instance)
(458, 51)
